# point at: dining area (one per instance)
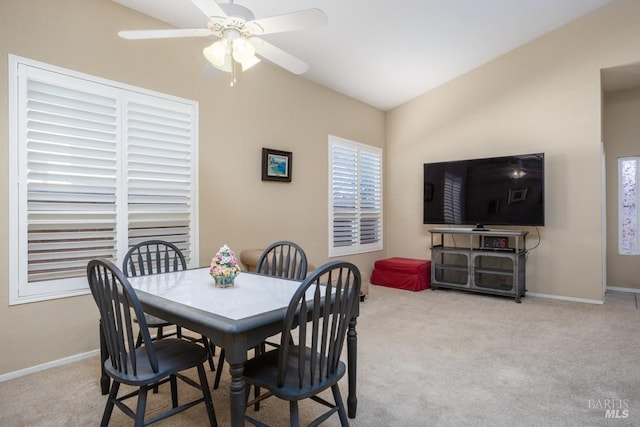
(279, 331)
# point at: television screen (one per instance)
(493, 191)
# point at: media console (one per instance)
(486, 261)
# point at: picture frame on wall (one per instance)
(276, 165)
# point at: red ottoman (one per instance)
(402, 273)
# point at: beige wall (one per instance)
(621, 126)
(270, 108)
(542, 97)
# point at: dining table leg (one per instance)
(352, 366)
(237, 398)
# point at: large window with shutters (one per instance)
(355, 197)
(95, 167)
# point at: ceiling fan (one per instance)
(237, 31)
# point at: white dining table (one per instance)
(236, 318)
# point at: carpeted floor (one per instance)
(441, 358)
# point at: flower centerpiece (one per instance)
(224, 267)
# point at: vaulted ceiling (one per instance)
(386, 53)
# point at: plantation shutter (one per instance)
(159, 171)
(344, 181)
(69, 173)
(95, 166)
(370, 197)
(356, 198)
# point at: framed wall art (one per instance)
(276, 165)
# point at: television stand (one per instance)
(489, 261)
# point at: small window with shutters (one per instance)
(95, 166)
(355, 197)
(629, 206)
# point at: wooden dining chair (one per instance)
(319, 315)
(149, 365)
(154, 257)
(284, 259)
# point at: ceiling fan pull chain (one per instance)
(234, 73)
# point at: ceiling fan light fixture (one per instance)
(250, 63)
(231, 49)
(218, 53)
(226, 67)
(243, 50)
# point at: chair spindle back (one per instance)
(283, 259)
(322, 308)
(119, 305)
(153, 257)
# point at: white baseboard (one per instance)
(631, 290)
(59, 362)
(562, 298)
(52, 364)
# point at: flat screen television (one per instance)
(505, 190)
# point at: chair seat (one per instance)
(262, 372)
(173, 354)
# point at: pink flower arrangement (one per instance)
(225, 263)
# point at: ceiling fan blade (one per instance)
(209, 7)
(279, 56)
(164, 34)
(292, 21)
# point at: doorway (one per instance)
(620, 135)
